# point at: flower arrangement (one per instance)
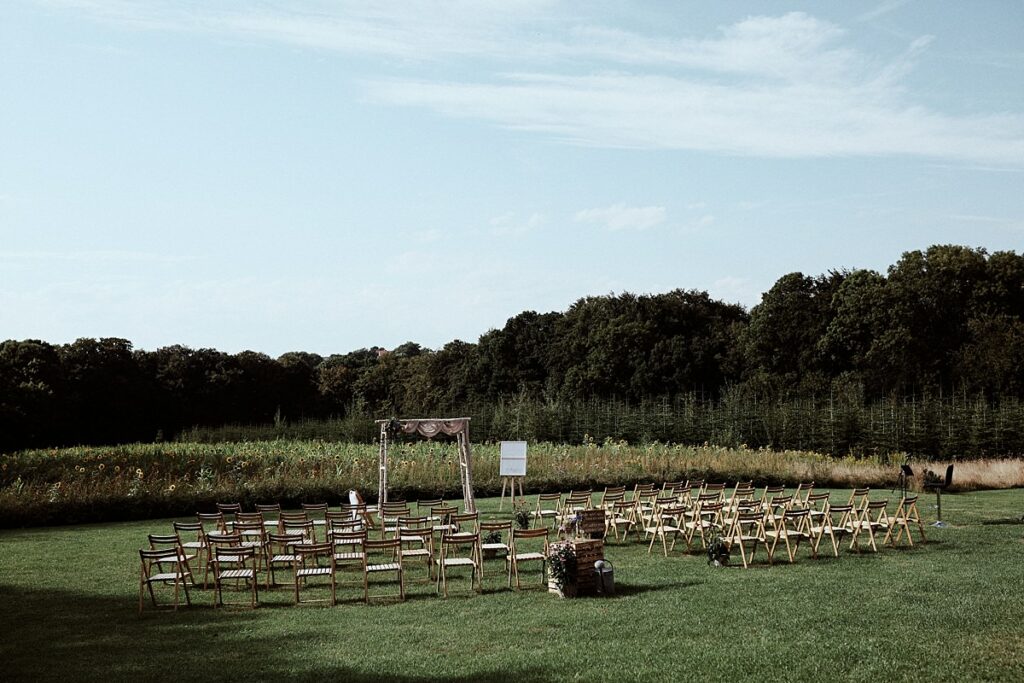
(570, 526)
(522, 517)
(718, 551)
(562, 564)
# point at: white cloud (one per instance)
(789, 86)
(509, 224)
(622, 217)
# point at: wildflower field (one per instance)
(140, 481)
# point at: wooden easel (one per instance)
(506, 481)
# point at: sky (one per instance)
(326, 176)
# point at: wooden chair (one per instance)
(670, 488)
(235, 564)
(835, 523)
(623, 516)
(441, 515)
(704, 519)
(297, 523)
(770, 492)
(213, 522)
(802, 491)
(791, 527)
(173, 541)
(859, 497)
(218, 540)
(152, 570)
(229, 510)
(520, 552)
(612, 495)
(280, 553)
(254, 535)
(423, 506)
(869, 519)
(419, 542)
(490, 549)
(549, 506)
(383, 556)
(747, 527)
(459, 550)
(905, 516)
(669, 521)
(465, 522)
(317, 513)
(717, 488)
(312, 560)
(390, 512)
(271, 513)
(349, 555)
(193, 540)
(359, 511)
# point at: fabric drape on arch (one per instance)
(429, 428)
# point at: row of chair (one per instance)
(237, 557)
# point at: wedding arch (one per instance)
(429, 428)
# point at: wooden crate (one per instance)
(587, 552)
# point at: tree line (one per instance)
(948, 320)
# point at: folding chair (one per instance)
(194, 542)
(316, 513)
(520, 552)
(382, 556)
(643, 502)
(229, 510)
(859, 497)
(465, 522)
(254, 535)
(271, 513)
(836, 523)
(441, 515)
(213, 522)
(747, 527)
(718, 489)
(668, 521)
(669, 488)
(173, 541)
(611, 495)
(906, 515)
(492, 548)
(770, 492)
(423, 506)
(390, 512)
(419, 542)
(349, 554)
(791, 525)
(623, 514)
(454, 553)
(869, 519)
(313, 560)
(704, 519)
(802, 491)
(151, 571)
(296, 523)
(549, 506)
(234, 564)
(280, 553)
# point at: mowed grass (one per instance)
(949, 610)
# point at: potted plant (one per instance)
(492, 536)
(718, 551)
(522, 517)
(562, 567)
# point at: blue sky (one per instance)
(323, 176)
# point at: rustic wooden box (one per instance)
(587, 552)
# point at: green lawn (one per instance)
(949, 610)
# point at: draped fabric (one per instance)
(431, 428)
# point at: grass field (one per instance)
(950, 610)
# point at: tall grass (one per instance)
(148, 480)
(839, 424)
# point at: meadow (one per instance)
(142, 481)
(946, 610)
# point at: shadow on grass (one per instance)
(1003, 520)
(67, 636)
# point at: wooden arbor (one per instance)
(429, 428)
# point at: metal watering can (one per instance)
(605, 575)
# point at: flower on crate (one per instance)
(562, 564)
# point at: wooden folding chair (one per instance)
(770, 492)
(173, 541)
(390, 512)
(549, 506)
(297, 523)
(747, 527)
(791, 527)
(859, 497)
(836, 523)
(213, 522)
(441, 515)
(670, 488)
(193, 540)
(229, 510)
(254, 535)
(669, 520)
(348, 551)
(521, 543)
(905, 516)
(492, 548)
(314, 560)
(716, 488)
(802, 491)
(623, 516)
(869, 519)
(152, 570)
(643, 503)
(235, 564)
(611, 494)
(705, 518)
(459, 550)
(271, 513)
(465, 522)
(317, 513)
(382, 556)
(280, 553)
(424, 505)
(419, 542)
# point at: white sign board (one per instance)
(513, 459)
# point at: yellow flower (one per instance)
(117, 468)
(101, 466)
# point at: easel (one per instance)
(506, 481)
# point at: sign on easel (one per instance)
(512, 469)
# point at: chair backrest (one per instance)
(256, 517)
(253, 529)
(718, 488)
(770, 491)
(466, 521)
(282, 544)
(780, 502)
(528, 535)
(696, 484)
(670, 487)
(411, 523)
(213, 522)
(496, 526)
(348, 539)
(159, 556)
(548, 498)
(742, 493)
(270, 510)
(423, 506)
(314, 510)
(389, 548)
(443, 512)
(229, 509)
(313, 554)
(292, 517)
(859, 496)
(193, 530)
(165, 541)
(224, 540)
(298, 526)
(233, 555)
